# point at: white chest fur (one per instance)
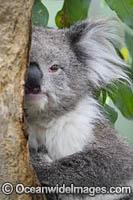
(69, 133)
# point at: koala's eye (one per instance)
(54, 68)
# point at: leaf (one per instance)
(62, 20)
(40, 14)
(124, 10)
(129, 42)
(104, 96)
(122, 97)
(72, 12)
(120, 53)
(125, 54)
(110, 113)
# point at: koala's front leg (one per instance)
(41, 153)
(94, 167)
(37, 158)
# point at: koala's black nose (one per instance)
(33, 79)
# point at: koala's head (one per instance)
(66, 65)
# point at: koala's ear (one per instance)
(86, 30)
(92, 43)
(76, 32)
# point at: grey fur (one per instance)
(87, 61)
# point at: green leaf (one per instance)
(122, 96)
(40, 14)
(72, 12)
(124, 10)
(129, 42)
(110, 113)
(104, 96)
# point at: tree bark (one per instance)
(14, 41)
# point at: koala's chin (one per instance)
(35, 106)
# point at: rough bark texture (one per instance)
(14, 39)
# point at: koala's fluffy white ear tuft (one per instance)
(92, 42)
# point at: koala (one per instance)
(70, 140)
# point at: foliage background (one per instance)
(63, 13)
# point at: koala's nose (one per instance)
(33, 79)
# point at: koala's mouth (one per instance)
(33, 93)
(29, 90)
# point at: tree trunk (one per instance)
(14, 41)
